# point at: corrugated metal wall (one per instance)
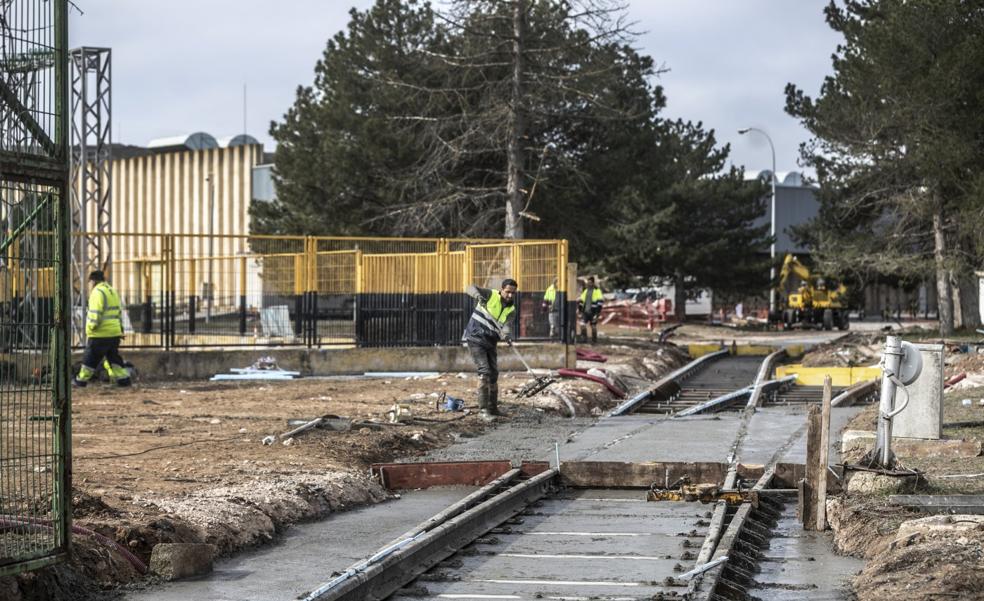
(169, 193)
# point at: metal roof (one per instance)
(237, 140)
(196, 141)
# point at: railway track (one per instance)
(537, 536)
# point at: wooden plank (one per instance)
(528, 469)
(411, 476)
(968, 504)
(823, 459)
(813, 473)
(617, 474)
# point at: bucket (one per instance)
(453, 404)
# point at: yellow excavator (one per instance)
(817, 303)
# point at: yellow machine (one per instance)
(817, 302)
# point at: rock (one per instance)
(871, 483)
(946, 526)
(173, 561)
(859, 442)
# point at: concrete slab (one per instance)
(153, 364)
(581, 545)
(864, 440)
(655, 438)
(306, 555)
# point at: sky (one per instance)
(180, 66)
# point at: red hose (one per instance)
(589, 355)
(13, 520)
(573, 373)
(954, 380)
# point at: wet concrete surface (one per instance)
(307, 554)
(633, 565)
(800, 565)
(580, 544)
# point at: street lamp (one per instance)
(772, 220)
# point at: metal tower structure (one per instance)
(24, 67)
(91, 178)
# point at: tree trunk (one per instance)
(955, 294)
(944, 300)
(517, 129)
(970, 299)
(679, 297)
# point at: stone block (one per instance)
(173, 561)
(949, 526)
(871, 483)
(854, 442)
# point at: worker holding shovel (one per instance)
(488, 325)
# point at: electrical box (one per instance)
(923, 417)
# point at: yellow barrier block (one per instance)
(699, 350)
(840, 376)
(753, 350)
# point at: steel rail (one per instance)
(763, 375)
(395, 566)
(673, 378)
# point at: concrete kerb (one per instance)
(201, 364)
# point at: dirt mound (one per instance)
(235, 517)
(864, 527)
(629, 369)
(931, 557)
(851, 350)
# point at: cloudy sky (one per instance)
(180, 66)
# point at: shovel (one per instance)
(538, 383)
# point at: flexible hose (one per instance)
(13, 520)
(573, 373)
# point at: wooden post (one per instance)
(824, 456)
(813, 474)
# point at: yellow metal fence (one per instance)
(194, 290)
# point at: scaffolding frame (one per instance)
(91, 177)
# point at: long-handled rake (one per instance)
(538, 383)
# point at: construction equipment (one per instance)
(818, 302)
(538, 383)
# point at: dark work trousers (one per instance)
(96, 349)
(487, 362)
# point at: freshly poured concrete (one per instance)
(308, 554)
(584, 544)
(800, 565)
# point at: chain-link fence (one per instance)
(35, 515)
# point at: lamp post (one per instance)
(210, 290)
(772, 220)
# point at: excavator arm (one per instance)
(792, 266)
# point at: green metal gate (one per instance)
(35, 451)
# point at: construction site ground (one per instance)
(186, 461)
(909, 554)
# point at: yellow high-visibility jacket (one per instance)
(103, 320)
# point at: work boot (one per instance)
(483, 394)
(123, 382)
(76, 382)
(583, 336)
(594, 335)
(494, 399)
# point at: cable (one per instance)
(167, 446)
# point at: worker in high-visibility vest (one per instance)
(104, 331)
(488, 325)
(589, 306)
(552, 306)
